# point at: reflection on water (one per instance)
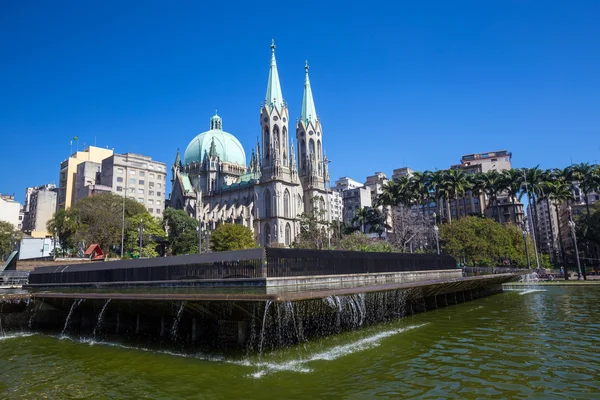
(513, 345)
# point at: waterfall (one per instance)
(176, 322)
(2, 333)
(36, 308)
(100, 318)
(262, 331)
(76, 302)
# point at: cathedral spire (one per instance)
(309, 113)
(274, 97)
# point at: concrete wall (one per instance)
(30, 248)
(9, 210)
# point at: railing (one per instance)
(14, 278)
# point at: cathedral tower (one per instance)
(312, 165)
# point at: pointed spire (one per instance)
(274, 98)
(309, 113)
(177, 162)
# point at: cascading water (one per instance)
(2, 333)
(36, 308)
(529, 283)
(76, 302)
(99, 322)
(175, 326)
(262, 331)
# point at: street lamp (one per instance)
(572, 226)
(54, 244)
(326, 183)
(526, 246)
(199, 230)
(436, 230)
(141, 236)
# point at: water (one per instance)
(176, 321)
(76, 302)
(99, 322)
(537, 345)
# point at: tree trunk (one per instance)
(464, 204)
(550, 225)
(561, 246)
(449, 210)
(587, 205)
(514, 208)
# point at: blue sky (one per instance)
(396, 84)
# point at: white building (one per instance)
(346, 183)
(39, 209)
(10, 210)
(355, 199)
(336, 205)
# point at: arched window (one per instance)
(276, 141)
(267, 200)
(288, 234)
(311, 147)
(286, 203)
(284, 137)
(302, 155)
(318, 156)
(267, 143)
(267, 234)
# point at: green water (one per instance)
(540, 344)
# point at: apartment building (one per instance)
(137, 176)
(39, 208)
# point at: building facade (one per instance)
(39, 209)
(68, 173)
(283, 178)
(138, 177)
(10, 210)
(353, 200)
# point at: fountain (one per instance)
(76, 302)
(100, 318)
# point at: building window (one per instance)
(150, 210)
(151, 184)
(140, 191)
(141, 199)
(151, 175)
(150, 201)
(131, 172)
(142, 173)
(141, 182)
(286, 204)
(288, 234)
(132, 181)
(119, 188)
(131, 190)
(119, 179)
(158, 210)
(267, 233)
(158, 185)
(119, 170)
(151, 193)
(267, 200)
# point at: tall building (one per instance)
(214, 184)
(138, 176)
(39, 209)
(355, 199)
(68, 171)
(87, 180)
(493, 160)
(346, 183)
(336, 205)
(10, 210)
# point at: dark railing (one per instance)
(255, 263)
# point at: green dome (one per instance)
(227, 146)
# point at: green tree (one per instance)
(182, 231)
(232, 237)
(152, 234)
(483, 242)
(9, 237)
(64, 224)
(360, 242)
(361, 216)
(558, 193)
(313, 233)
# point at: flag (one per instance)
(76, 138)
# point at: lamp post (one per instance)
(526, 246)
(54, 244)
(326, 183)
(436, 229)
(199, 230)
(141, 235)
(572, 226)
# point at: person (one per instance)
(596, 270)
(562, 270)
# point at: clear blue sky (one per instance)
(396, 84)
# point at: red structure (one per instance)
(94, 252)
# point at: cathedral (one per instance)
(215, 183)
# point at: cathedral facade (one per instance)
(215, 183)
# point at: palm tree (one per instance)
(456, 184)
(361, 216)
(477, 185)
(513, 183)
(584, 173)
(558, 193)
(492, 185)
(533, 184)
(419, 187)
(436, 186)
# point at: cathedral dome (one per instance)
(227, 147)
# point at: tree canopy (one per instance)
(182, 230)
(9, 236)
(229, 237)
